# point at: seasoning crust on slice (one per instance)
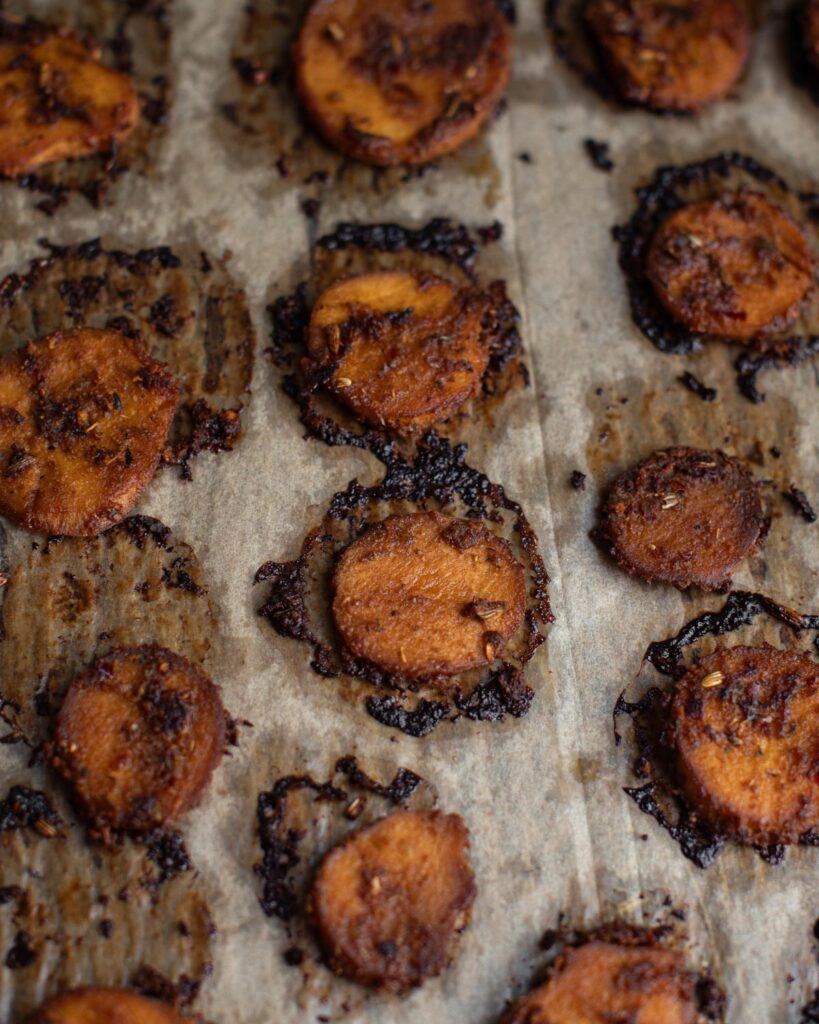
(679, 56)
(389, 901)
(603, 981)
(401, 81)
(57, 100)
(734, 267)
(105, 1006)
(426, 594)
(409, 347)
(684, 516)
(138, 736)
(84, 415)
(745, 735)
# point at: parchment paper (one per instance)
(552, 831)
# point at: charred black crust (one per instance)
(660, 798)
(656, 201)
(803, 68)
(181, 993)
(440, 474)
(25, 808)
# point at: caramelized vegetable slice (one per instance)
(401, 81)
(137, 738)
(57, 101)
(603, 981)
(811, 29)
(449, 581)
(679, 56)
(745, 733)
(389, 901)
(684, 516)
(84, 415)
(735, 267)
(409, 347)
(105, 1006)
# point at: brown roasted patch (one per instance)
(185, 308)
(684, 516)
(736, 267)
(405, 83)
(671, 56)
(404, 350)
(137, 738)
(101, 1005)
(744, 734)
(446, 579)
(389, 901)
(80, 599)
(58, 100)
(84, 416)
(103, 90)
(601, 980)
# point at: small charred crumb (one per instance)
(294, 956)
(21, 953)
(598, 153)
(310, 208)
(149, 982)
(166, 849)
(398, 791)
(800, 502)
(698, 845)
(740, 609)
(695, 385)
(106, 928)
(577, 480)
(667, 192)
(423, 719)
(29, 808)
(139, 529)
(491, 233)
(525, 157)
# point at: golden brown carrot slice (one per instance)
(84, 415)
(401, 81)
(811, 30)
(389, 901)
(604, 981)
(409, 347)
(684, 516)
(137, 738)
(424, 575)
(57, 100)
(679, 56)
(105, 1006)
(735, 266)
(745, 734)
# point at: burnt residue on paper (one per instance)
(659, 796)
(297, 597)
(598, 152)
(441, 246)
(801, 61)
(136, 583)
(299, 819)
(87, 912)
(673, 187)
(24, 808)
(666, 933)
(183, 305)
(697, 387)
(135, 38)
(800, 503)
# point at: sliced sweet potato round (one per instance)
(811, 30)
(424, 575)
(684, 516)
(401, 81)
(745, 735)
(679, 56)
(390, 900)
(57, 100)
(409, 348)
(138, 736)
(105, 1006)
(604, 981)
(84, 415)
(735, 267)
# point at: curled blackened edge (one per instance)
(438, 473)
(441, 238)
(661, 197)
(280, 842)
(659, 797)
(697, 387)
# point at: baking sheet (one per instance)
(552, 831)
